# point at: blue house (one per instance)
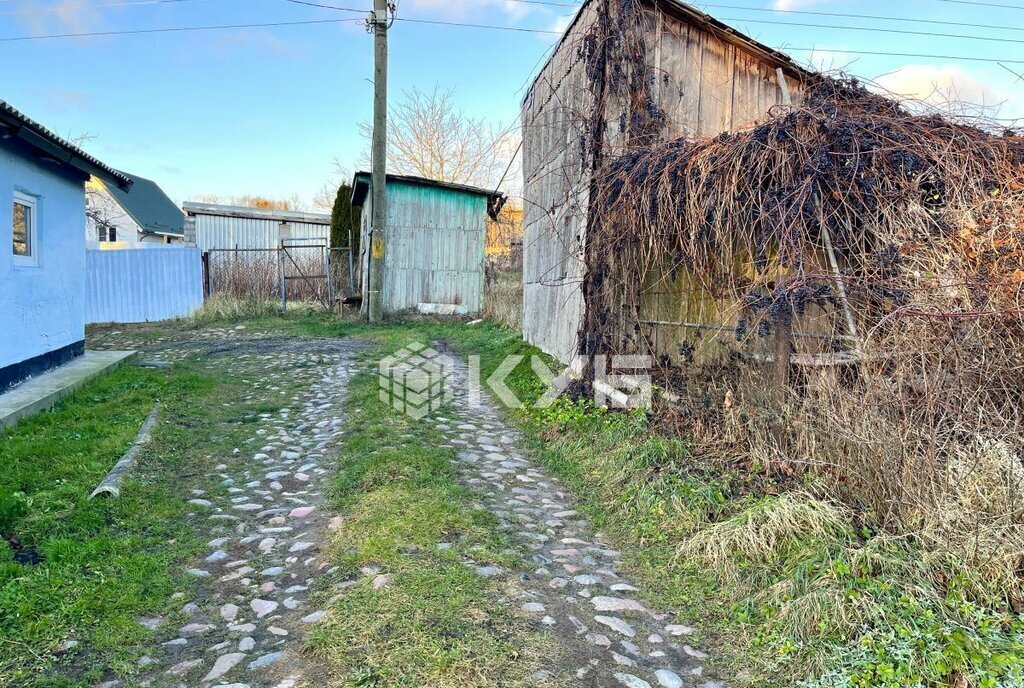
(42, 245)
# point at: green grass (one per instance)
(435, 623)
(105, 563)
(790, 589)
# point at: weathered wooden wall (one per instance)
(556, 191)
(707, 83)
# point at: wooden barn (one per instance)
(626, 74)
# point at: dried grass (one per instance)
(764, 533)
(915, 424)
(256, 274)
(503, 299)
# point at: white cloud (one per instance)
(953, 89)
(561, 22)
(64, 15)
(783, 5)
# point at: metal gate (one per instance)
(305, 270)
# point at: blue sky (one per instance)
(267, 110)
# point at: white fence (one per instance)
(143, 285)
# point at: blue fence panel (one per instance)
(143, 285)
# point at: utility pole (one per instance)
(378, 156)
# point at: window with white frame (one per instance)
(26, 248)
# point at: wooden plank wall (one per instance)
(556, 192)
(712, 86)
(435, 247)
(704, 84)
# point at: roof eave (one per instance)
(364, 179)
(38, 137)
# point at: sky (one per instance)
(268, 110)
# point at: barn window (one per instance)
(26, 250)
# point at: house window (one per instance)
(26, 249)
(105, 231)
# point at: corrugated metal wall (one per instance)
(143, 285)
(218, 232)
(434, 247)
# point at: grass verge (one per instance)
(415, 612)
(797, 589)
(76, 575)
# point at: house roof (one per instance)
(361, 188)
(14, 124)
(196, 208)
(150, 207)
(704, 21)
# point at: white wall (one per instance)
(42, 307)
(129, 233)
(100, 202)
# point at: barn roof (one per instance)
(196, 208)
(15, 124)
(150, 207)
(361, 186)
(705, 21)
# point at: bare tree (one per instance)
(323, 199)
(428, 136)
(102, 215)
(261, 202)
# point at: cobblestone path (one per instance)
(242, 624)
(244, 618)
(576, 592)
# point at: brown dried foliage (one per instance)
(921, 427)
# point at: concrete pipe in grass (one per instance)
(110, 486)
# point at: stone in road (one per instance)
(575, 590)
(248, 608)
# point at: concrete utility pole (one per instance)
(378, 155)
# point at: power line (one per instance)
(982, 4)
(433, 21)
(479, 26)
(908, 32)
(863, 16)
(327, 7)
(923, 55)
(575, 5)
(954, 2)
(456, 24)
(61, 8)
(759, 21)
(176, 29)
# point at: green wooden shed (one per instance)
(434, 241)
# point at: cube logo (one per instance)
(415, 380)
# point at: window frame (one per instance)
(32, 203)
